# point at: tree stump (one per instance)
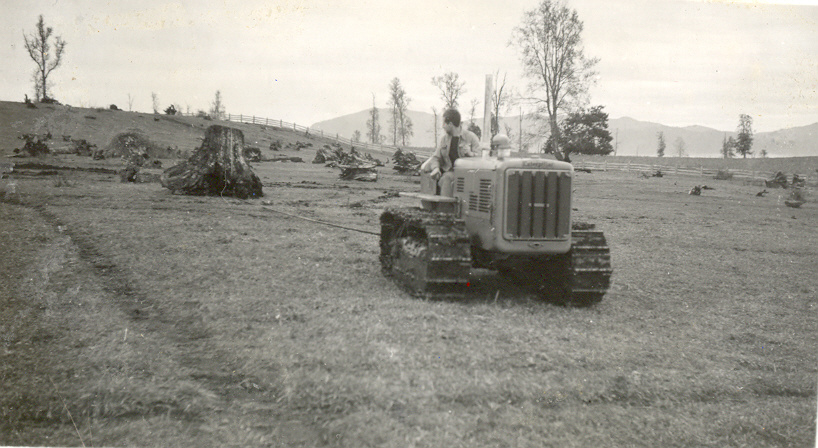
(217, 167)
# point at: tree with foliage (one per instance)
(744, 140)
(550, 42)
(400, 121)
(584, 132)
(356, 136)
(39, 49)
(451, 87)
(728, 147)
(660, 148)
(171, 110)
(373, 124)
(217, 107)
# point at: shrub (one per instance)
(133, 142)
(724, 175)
(34, 146)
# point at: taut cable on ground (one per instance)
(320, 222)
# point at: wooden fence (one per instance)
(281, 124)
(747, 175)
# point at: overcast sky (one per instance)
(675, 62)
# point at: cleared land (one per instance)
(131, 316)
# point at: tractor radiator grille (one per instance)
(460, 184)
(538, 204)
(481, 201)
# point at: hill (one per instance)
(631, 137)
(100, 126)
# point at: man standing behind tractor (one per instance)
(456, 142)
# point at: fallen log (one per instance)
(366, 173)
(218, 167)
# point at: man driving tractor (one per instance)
(455, 143)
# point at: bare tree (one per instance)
(40, 51)
(373, 124)
(434, 111)
(400, 121)
(728, 147)
(155, 102)
(451, 87)
(549, 39)
(500, 103)
(473, 108)
(508, 130)
(217, 107)
(130, 103)
(680, 146)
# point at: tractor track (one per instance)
(183, 331)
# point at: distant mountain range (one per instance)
(631, 137)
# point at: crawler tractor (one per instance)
(511, 215)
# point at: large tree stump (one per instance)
(217, 167)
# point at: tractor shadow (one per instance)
(491, 287)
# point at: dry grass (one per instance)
(176, 320)
(805, 166)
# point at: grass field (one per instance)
(131, 316)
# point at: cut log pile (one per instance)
(353, 164)
(217, 167)
(778, 181)
(334, 155)
(35, 146)
(406, 162)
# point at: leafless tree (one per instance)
(680, 147)
(549, 40)
(217, 107)
(130, 103)
(400, 121)
(434, 111)
(451, 87)
(39, 49)
(501, 101)
(155, 102)
(373, 124)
